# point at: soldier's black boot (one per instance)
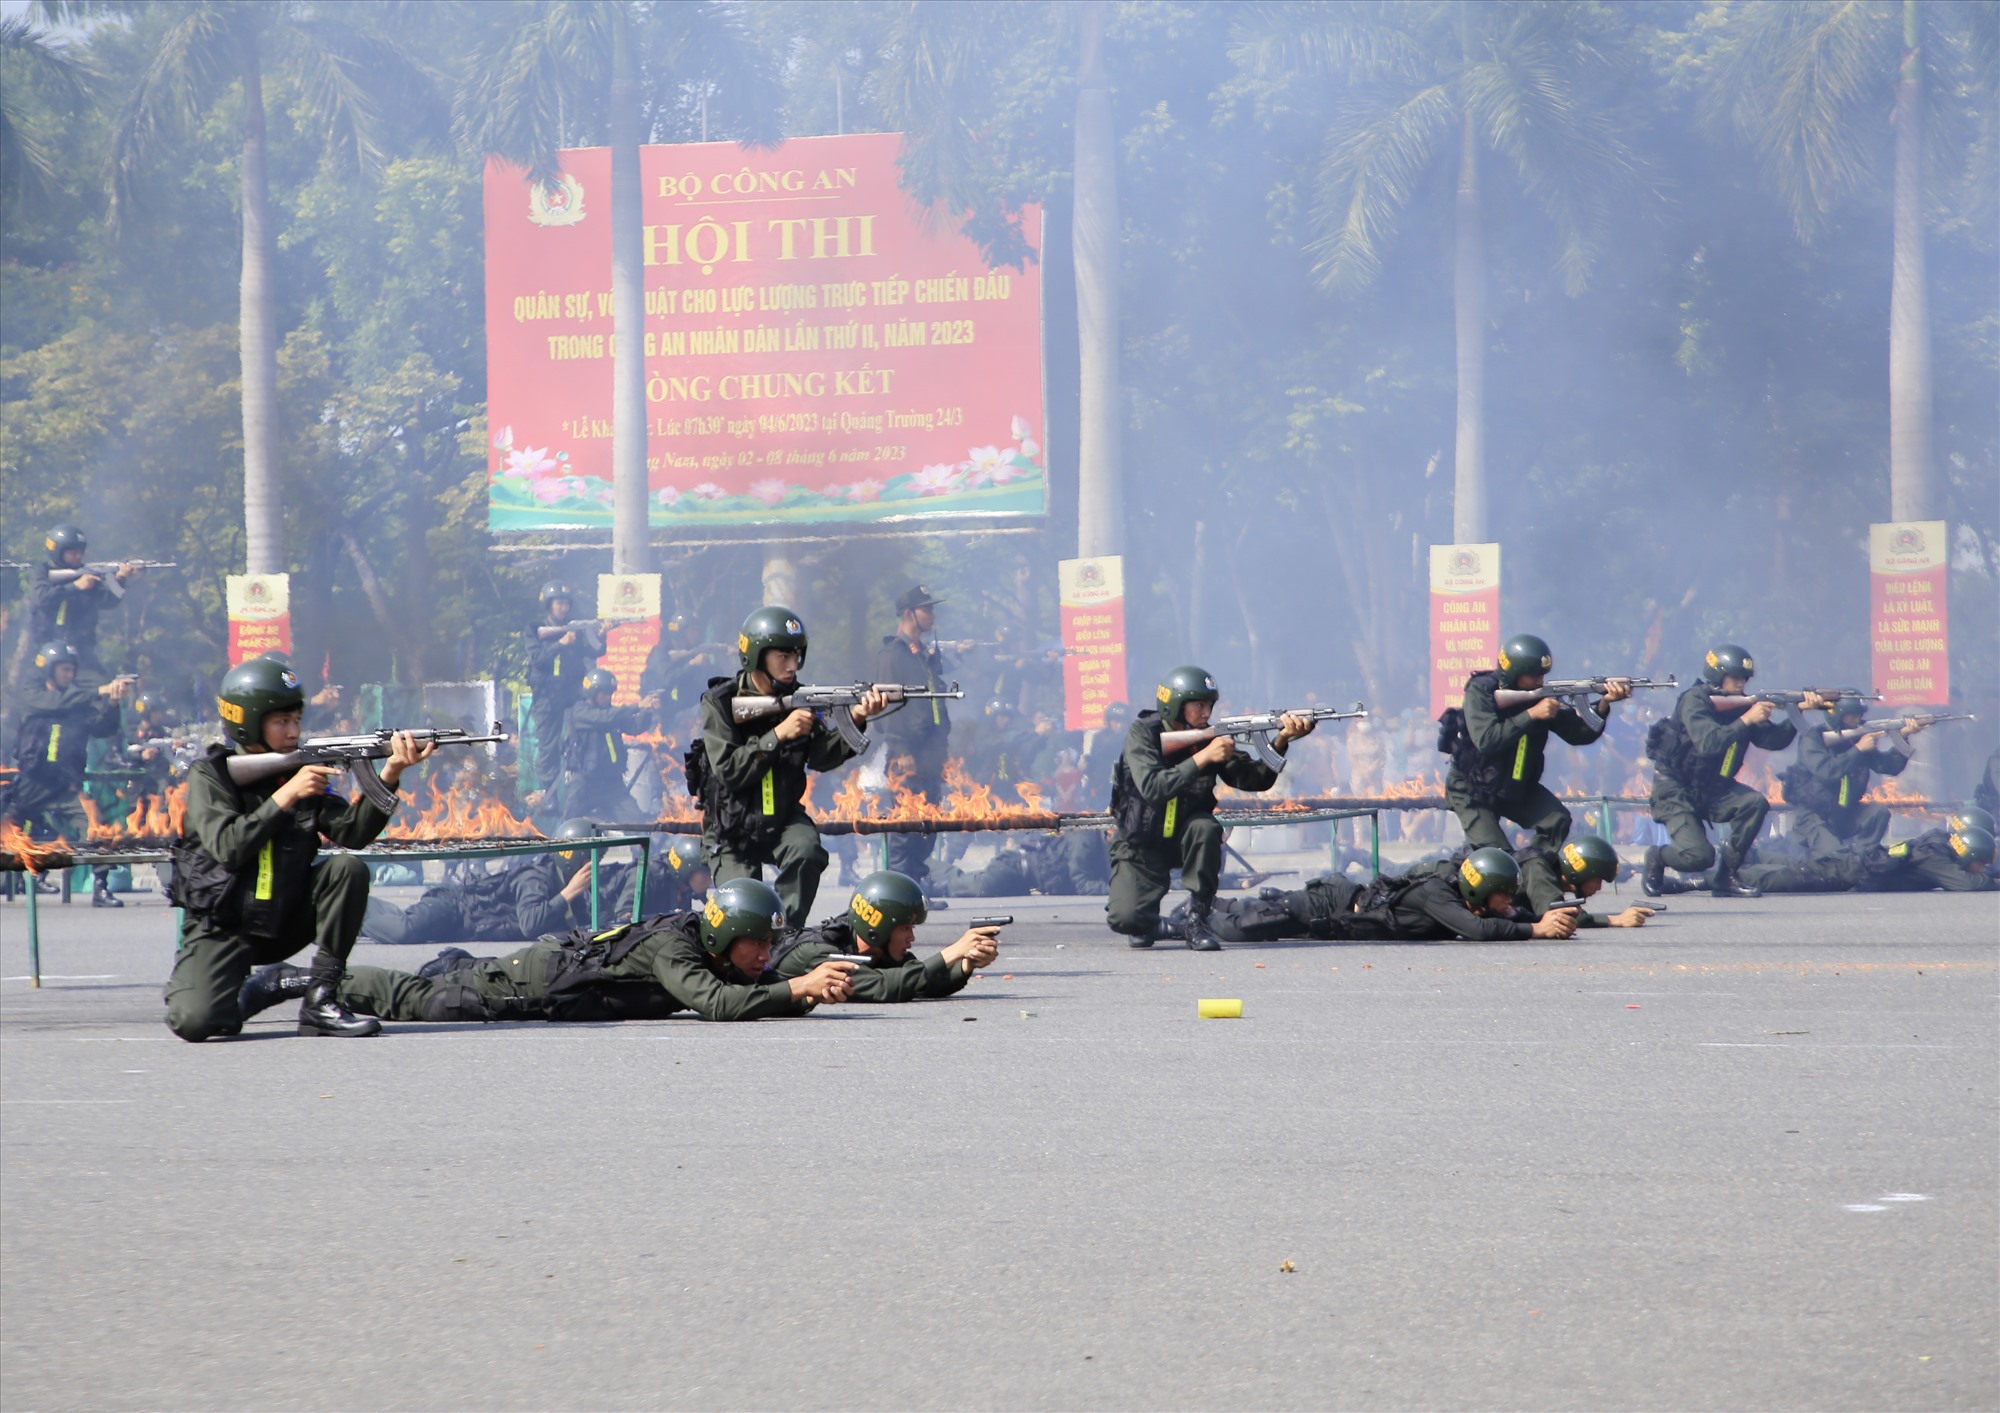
(101, 895)
(1200, 937)
(268, 986)
(1166, 929)
(322, 1013)
(1654, 880)
(1726, 885)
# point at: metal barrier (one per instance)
(595, 847)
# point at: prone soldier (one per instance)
(1498, 752)
(1696, 753)
(749, 778)
(51, 747)
(1163, 809)
(714, 961)
(528, 896)
(1957, 859)
(246, 871)
(881, 924)
(1471, 899)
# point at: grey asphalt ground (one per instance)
(1743, 1159)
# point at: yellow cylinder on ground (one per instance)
(1219, 1009)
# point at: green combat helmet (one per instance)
(884, 902)
(556, 589)
(742, 907)
(252, 691)
(1727, 660)
(62, 539)
(599, 679)
(770, 627)
(1837, 715)
(50, 656)
(1973, 845)
(1969, 814)
(1523, 655)
(1486, 872)
(575, 829)
(1184, 685)
(1586, 857)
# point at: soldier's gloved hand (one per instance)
(1545, 709)
(1215, 752)
(795, 727)
(1292, 726)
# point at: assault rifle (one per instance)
(1253, 732)
(355, 753)
(831, 703)
(1922, 719)
(1827, 694)
(545, 631)
(105, 569)
(182, 751)
(1574, 689)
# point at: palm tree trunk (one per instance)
(1912, 487)
(257, 337)
(1100, 494)
(630, 551)
(1468, 511)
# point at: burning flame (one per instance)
(964, 798)
(153, 817)
(461, 813)
(33, 855)
(1888, 790)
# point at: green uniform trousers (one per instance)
(1689, 851)
(500, 988)
(212, 965)
(799, 858)
(1141, 874)
(1531, 808)
(1854, 830)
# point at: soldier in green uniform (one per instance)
(881, 924)
(1163, 808)
(750, 778)
(558, 656)
(922, 729)
(528, 896)
(246, 871)
(1957, 859)
(1830, 776)
(1497, 754)
(65, 600)
(594, 751)
(714, 962)
(1471, 899)
(59, 720)
(1696, 753)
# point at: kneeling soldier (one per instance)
(1471, 899)
(1497, 754)
(750, 778)
(1829, 778)
(58, 723)
(245, 870)
(714, 962)
(881, 924)
(1163, 807)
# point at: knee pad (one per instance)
(454, 1001)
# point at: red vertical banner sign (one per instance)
(260, 615)
(1907, 624)
(630, 606)
(1093, 636)
(1465, 618)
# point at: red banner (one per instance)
(813, 352)
(260, 615)
(634, 598)
(1465, 618)
(1093, 637)
(1907, 564)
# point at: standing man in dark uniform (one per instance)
(1497, 756)
(750, 777)
(66, 600)
(594, 753)
(1696, 753)
(246, 871)
(1830, 776)
(1163, 808)
(558, 656)
(58, 723)
(922, 729)
(675, 672)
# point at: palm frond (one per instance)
(342, 73)
(711, 43)
(936, 63)
(1795, 79)
(63, 81)
(1377, 151)
(197, 58)
(537, 79)
(1337, 41)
